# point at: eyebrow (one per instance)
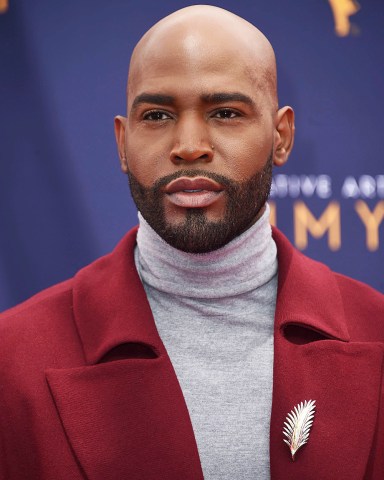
(222, 97)
(156, 98)
(211, 98)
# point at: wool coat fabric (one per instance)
(87, 390)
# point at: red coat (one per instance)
(87, 389)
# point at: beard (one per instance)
(197, 234)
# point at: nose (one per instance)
(191, 142)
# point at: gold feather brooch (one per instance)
(298, 425)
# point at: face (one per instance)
(198, 143)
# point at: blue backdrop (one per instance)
(63, 70)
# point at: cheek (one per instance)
(246, 155)
(145, 162)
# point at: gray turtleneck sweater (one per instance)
(215, 315)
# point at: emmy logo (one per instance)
(342, 10)
(3, 6)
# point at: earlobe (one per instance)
(284, 135)
(120, 123)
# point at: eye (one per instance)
(226, 113)
(156, 116)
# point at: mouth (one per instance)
(196, 192)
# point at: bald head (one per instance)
(202, 32)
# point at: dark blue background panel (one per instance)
(63, 71)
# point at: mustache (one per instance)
(221, 179)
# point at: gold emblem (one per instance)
(342, 10)
(3, 6)
(298, 425)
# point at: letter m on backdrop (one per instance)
(305, 222)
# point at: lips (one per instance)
(195, 183)
(197, 192)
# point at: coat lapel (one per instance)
(315, 360)
(123, 411)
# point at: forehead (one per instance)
(192, 61)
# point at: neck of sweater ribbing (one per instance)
(243, 265)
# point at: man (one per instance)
(180, 355)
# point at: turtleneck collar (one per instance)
(244, 264)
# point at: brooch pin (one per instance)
(298, 425)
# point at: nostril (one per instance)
(190, 157)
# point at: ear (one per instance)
(284, 135)
(120, 123)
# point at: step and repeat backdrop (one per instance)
(63, 66)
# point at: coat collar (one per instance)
(111, 307)
(308, 294)
(110, 304)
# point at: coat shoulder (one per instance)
(39, 333)
(47, 296)
(313, 288)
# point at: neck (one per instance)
(241, 266)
